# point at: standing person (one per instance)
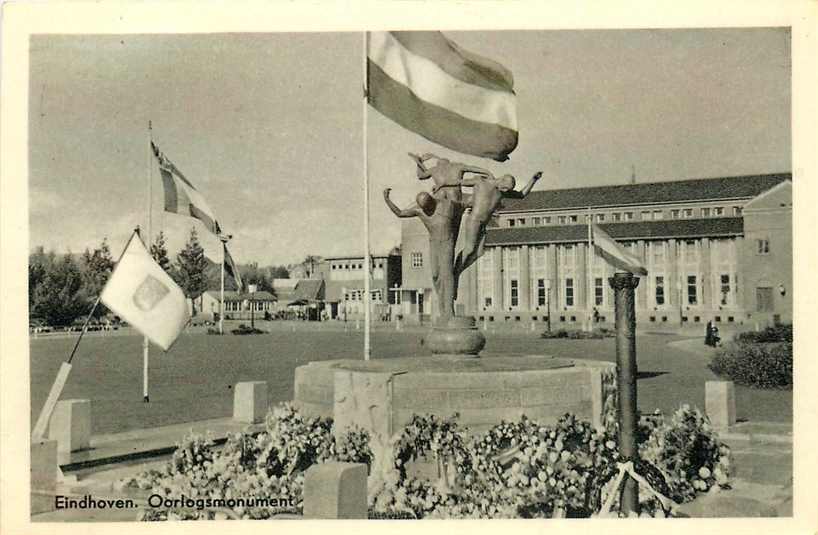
(438, 216)
(708, 334)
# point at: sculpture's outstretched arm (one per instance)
(408, 212)
(422, 172)
(526, 190)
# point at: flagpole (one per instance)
(590, 277)
(367, 296)
(62, 375)
(221, 290)
(145, 342)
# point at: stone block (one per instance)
(720, 403)
(483, 399)
(250, 402)
(70, 425)
(43, 475)
(335, 491)
(421, 399)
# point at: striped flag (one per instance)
(429, 85)
(180, 195)
(231, 268)
(140, 292)
(614, 253)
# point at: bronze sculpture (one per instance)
(441, 213)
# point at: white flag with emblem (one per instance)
(142, 294)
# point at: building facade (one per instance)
(715, 249)
(344, 278)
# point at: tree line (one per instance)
(62, 288)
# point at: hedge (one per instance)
(760, 359)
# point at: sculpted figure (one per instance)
(441, 216)
(485, 199)
(445, 174)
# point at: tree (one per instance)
(38, 264)
(96, 268)
(310, 264)
(253, 274)
(159, 252)
(59, 298)
(191, 269)
(279, 272)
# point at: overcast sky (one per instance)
(269, 127)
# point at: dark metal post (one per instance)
(624, 285)
(548, 307)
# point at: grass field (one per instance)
(195, 379)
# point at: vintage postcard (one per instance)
(516, 262)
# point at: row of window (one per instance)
(617, 217)
(356, 265)
(376, 296)
(659, 296)
(237, 306)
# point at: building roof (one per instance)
(700, 189)
(361, 257)
(673, 228)
(308, 290)
(230, 295)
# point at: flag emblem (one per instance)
(149, 293)
(615, 254)
(428, 84)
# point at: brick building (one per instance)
(716, 249)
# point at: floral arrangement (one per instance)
(518, 469)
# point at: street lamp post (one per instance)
(252, 289)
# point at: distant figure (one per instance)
(486, 197)
(596, 315)
(440, 216)
(708, 334)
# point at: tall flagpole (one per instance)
(367, 296)
(221, 290)
(145, 342)
(590, 269)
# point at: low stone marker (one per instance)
(70, 425)
(250, 402)
(335, 490)
(43, 475)
(720, 403)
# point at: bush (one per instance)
(776, 333)
(758, 364)
(596, 334)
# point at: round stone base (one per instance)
(458, 336)
(382, 395)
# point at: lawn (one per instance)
(195, 379)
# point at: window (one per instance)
(627, 216)
(547, 220)
(417, 260)
(521, 221)
(561, 220)
(674, 214)
(645, 215)
(599, 291)
(600, 218)
(487, 302)
(692, 290)
(690, 251)
(536, 221)
(705, 212)
(658, 214)
(617, 216)
(687, 212)
(737, 211)
(569, 292)
(573, 218)
(763, 246)
(725, 288)
(515, 293)
(511, 222)
(541, 296)
(718, 211)
(660, 290)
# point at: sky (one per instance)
(269, 127)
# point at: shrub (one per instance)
(595, 334)
(758, 364)
(775, 333)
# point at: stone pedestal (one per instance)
(335, 491)
(250, 402)
(458, 336)
(70, 425)
(720, 403)
(43, 475)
